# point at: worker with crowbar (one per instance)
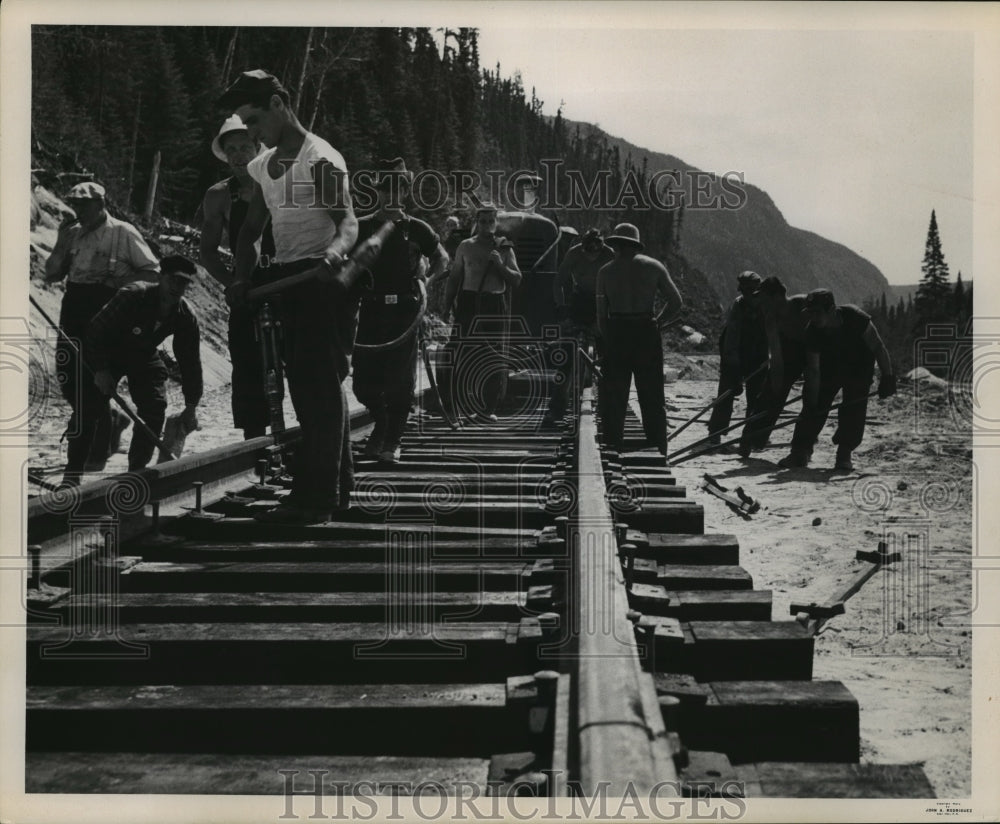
(385, 356)
(122, 340)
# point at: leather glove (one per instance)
(886, 386)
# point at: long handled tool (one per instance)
(343, 280)
(139, 422)
(723, 397)
(755, 417)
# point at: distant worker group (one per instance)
(343, 291)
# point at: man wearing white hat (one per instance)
(626, 292)
(224, 209)
(96, 254)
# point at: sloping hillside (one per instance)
(722, 243)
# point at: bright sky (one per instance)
(856, 135)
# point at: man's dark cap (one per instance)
(772, 285)
(388, 169)
(250, 87)
(819, 300)
(592, 237)
(748, 282)
(179, 265)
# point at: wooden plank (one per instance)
(702, 605)
(685, 687)
(208, 774)
(835, 780)
(370, 719)
(164, 576)
(276, 653)
(671, 515)
(742, 650)
(777, 720)
(354, 551)
(714, 548)
(710, 775)
(264, 607)
(703, 576)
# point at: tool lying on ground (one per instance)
(740, 501)
(344, 278)
(814, 615)
(723, 397)
(139, 422)
(35, 477)
(429, 368)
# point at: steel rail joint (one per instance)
(619, 725)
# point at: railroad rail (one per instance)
(508, 607)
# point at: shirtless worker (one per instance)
(482, 275)
(574, 290)
(384, 380)
(302, 184)
(785, 331)
(225, 208)
(626, 291)
(842, 346)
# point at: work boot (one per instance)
(843, 461)
(744, 449)
(389, 455)
(794, 459)
(373, 446)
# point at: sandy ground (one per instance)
(903, 647)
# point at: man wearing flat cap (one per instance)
(742, 353)
(482, 275)
(384, 380)
(302, 185)
(224, 209)
(123, 340)
(842, 346)
(627, 289)
(96, 254)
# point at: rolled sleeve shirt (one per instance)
(110, 254)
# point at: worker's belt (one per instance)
(283, 270)
(388, 298)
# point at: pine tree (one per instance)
(933, 294)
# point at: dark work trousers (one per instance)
(757, 433)
(478, 352)
(384, 380)
(750, 360)
(319, 326)
(633, 349)
(79, 305)
(147, 386)
(568, 367)
(249, 397)
(855, 384)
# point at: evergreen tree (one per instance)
(934, 291)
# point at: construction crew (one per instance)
(122, 340)
(574, 291)
(224, 209)
(842, 346)
(785, 330)
(482, 275)
(97, 254)
(384, 380)
(627, 288)
(742, 354)
(302, 184)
